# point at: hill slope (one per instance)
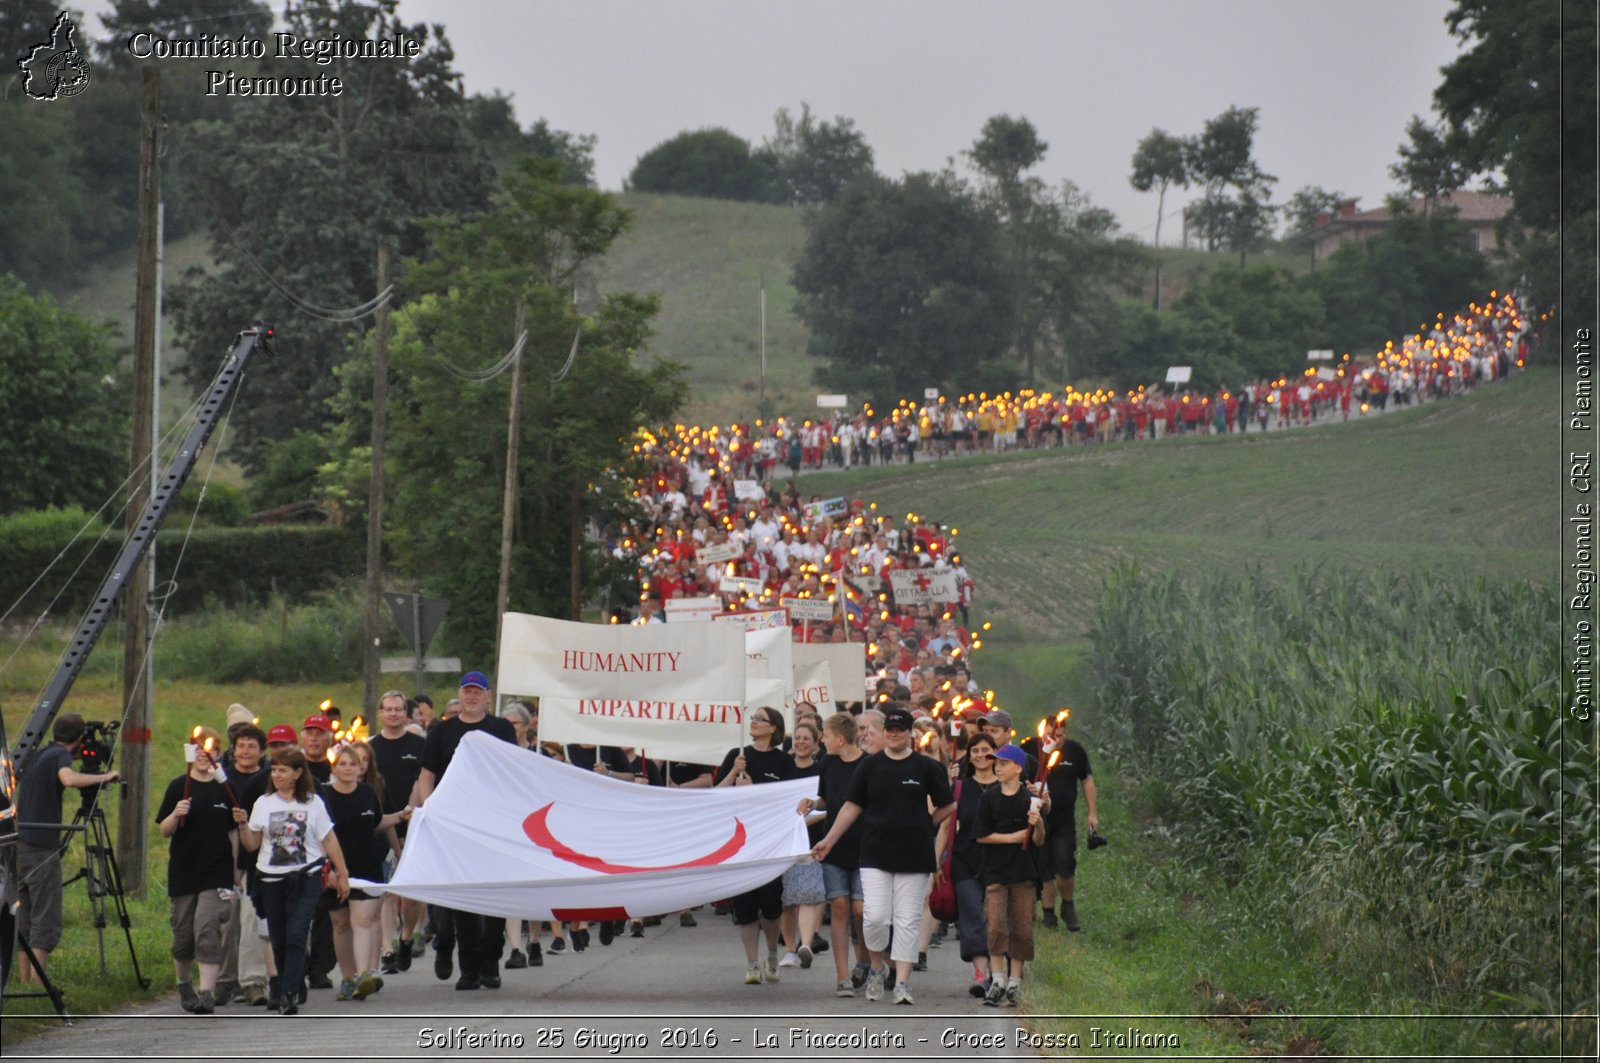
(1464, 485)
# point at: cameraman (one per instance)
(39, 847)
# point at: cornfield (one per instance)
(1381, 759)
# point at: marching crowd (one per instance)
(1450, 356)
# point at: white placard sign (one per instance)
(689, 662)
(812, 683)
(739, 585)
(748, 491)
(930, 394)
(1179, 374)
(714, 555)
(923, 587)
(1327, 374)
(845, 660)
(688, 610)
(771, 648)
(832, 402)
(813, 609)
(1319, 356)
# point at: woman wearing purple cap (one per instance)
(1009, 821)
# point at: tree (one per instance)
(1521, 100)
(1303, 208)
(1233, 212)
(493, 123)
(43, 192)
(705, 162)
(297, 218)
(814, 160)
(1160, 161)
(903, 284)
(1430, 162)
(1381, 288)
(577, 429)
(66, 439)
(1005, 150)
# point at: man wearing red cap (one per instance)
(480, 938)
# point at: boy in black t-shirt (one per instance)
(1009, 820)
(397, 752)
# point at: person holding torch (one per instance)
(1066, 764)
(196, 813)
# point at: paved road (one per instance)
(678, 993)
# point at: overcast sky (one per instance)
(1335, 82)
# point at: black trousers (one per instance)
(479, 942)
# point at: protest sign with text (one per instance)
(917, 587)
(690, 662)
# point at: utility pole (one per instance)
(380, 411)
(513, 436)
(135, 760)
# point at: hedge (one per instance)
(232, 566)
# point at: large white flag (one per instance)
(509, 832)
(689, 662)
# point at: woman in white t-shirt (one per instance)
(298, 838)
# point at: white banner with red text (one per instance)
(509, 832)
(679, 662)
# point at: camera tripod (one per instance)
(104, 880)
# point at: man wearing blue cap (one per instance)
(479, 938)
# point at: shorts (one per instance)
(840, 882)
(804, 884)
(764, 902)
(39, 889)
(199, 921)
(1063, 846)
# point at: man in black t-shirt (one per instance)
(397, 751)
(244, 965)
(44, 779)
(1071, 769)
(480, 937)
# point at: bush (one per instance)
(234, 566)
(276, 642)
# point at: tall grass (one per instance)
(1379, 760)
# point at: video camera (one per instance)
(95, 750)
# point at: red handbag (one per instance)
(942, 900)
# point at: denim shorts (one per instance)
(841, 882)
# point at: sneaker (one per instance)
(652, 920)
(819, 944)
(608, 932)
(804, 956)
(858, 975)
(187, 997)
(419, 947)
(516, 961)
(226, 992)
(845, 988)
(467, 981)
(922, 962)
(535, 955)
(994, 994)
(1069, 917)
(205, 1003)
(902, 994)
(1049, 919)
(255, 996)
(367, 984)
(769, 969)
(752, 974)
(390, 964)
(442, 965)
(790, 960)
(874, 986)
(636, 929)
(291, 1008)
(558, 946)
(979, 987)
(686, 919)
(1014, 995)
(347, 989)
(402, 958)
(580, 939)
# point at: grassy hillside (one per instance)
(1459, 485)
(706, 258)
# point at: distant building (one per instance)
(1480, 212)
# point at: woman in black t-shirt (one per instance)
(966, 858)
(759, 910)
(803, 886)
(892, 793)
(197, 814)
(358, 822)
